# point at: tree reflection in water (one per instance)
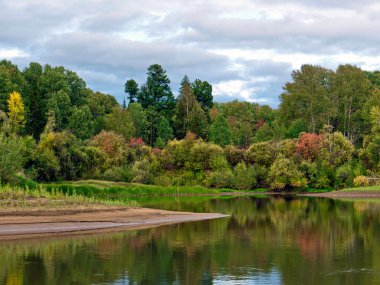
(267, 240)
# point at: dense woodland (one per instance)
(325, 133)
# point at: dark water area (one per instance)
(266, 240)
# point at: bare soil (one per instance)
(83, 221)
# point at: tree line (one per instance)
(324, 134)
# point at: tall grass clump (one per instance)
(40, 198)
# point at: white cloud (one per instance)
(12, 53)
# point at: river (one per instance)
(266, 240)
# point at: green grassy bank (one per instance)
(107, 189)
(16, 198)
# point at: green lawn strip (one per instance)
(358, 189)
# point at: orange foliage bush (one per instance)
(309, 145)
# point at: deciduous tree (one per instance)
(16, 112)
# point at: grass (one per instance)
(366, 188)
(111, 190)
(15, 198)
(325, 190)
(94, 194)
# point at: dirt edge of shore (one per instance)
(23, 226)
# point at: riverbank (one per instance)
(26, 213)
(64, 211)
(358, 192)
(23, 224)
(120, 190)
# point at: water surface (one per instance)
(266, 240)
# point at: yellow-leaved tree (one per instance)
(16, 111)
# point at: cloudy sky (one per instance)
(245, 49)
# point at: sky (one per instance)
(245, 49)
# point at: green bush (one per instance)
(263, 153)
(188, 178)
(200, 156)
(93, 164)
(11, 156)
(219, 179)
(318, 175)
(24, 182)
(233, 155)
(245, 177)
(142, 172)
(219, 162)
(163, 180)
(288, 148)
(336, 149)
(344, 176)
(176, 154)
(45, 165)
(283, 174)
(118, 174)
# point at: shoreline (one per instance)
(32, 223)
(24, 226)
(345, 194)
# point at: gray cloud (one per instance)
(119, 58)
(246, 49)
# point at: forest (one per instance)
(325, 134)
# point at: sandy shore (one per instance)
(84, 222)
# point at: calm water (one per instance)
(265, 241)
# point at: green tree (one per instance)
(78, 92)
(189, 114)
(42, 84)
(374, 77)
(120, 122)
(80, 122)
(11, 80)
(100, 105)
(370, 153)
(11, 156)
(156, 92)
(219, 132)
(375, 119)
(308, 97)
(132, 89)
(296, 127)
(60, 104)
(164, 132)
(352, 89)
(34, 100)
(265, 133)
(203, 92)
(139, 119)
(242, 120)
(153, 120)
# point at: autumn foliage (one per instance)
(309, 145)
